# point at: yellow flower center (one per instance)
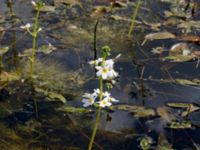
(90, 100)
(104, 102)
(104, 70)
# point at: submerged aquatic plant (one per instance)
(37, 6)
(104, 71)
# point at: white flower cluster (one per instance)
(90, 99)
(26, 26)
(35, 4)
(105, 70)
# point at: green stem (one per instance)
(35, 103)
(9, 4)
(32, 60)
(98, 115)
(133, 19)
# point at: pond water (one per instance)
(158, 92)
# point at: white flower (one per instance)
(106, 72)
(88, 99)
(33, 3)
(112, 74)
(106, 94)
(27, 26)
(97, 91)
(104, 103)
(109, 63)
(102, 71)
(40, 29)
(96, 62)
(112, 99)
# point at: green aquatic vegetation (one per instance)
(38, 6)
(138, 111)
(163, 144)
(52, 96)
(14, 37)
(34, 34)
(180, 125)
(3, 50)
(10, 140)
(146, 142)
(159, 36)
(44, 49)
(186, 82)
(71, 109)
(50, 77)
(133, 19)
(178, 58)
(187, 107)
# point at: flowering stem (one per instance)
(32, 59)
(98, 115)
(35, 31)
(34, 34)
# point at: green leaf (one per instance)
(55, 96)
(46, 49)
(180, 125)
(138, 111)
(47, 8)
(145, 143)
(178, 58)
(180, 105)
(71, 109)
(186, 82)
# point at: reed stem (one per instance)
(133, 19)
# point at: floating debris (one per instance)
(157, 50)
(164, 113)
(68, 2)
(189, 108)
(178, 48)
(47, 8)
(138, 111)
(191, 38)
(180, 125)
(159, 36)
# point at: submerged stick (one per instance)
(133, 19)
(95, 39)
